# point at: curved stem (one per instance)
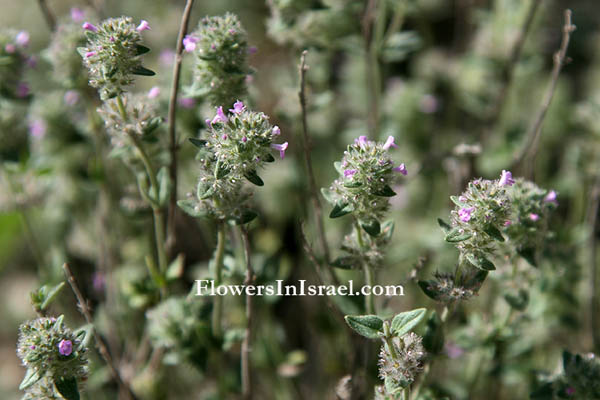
(219, 255)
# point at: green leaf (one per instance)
(204, 191)
(426, 288)
(338, 167)
(31, 377)
(139, 49)
(199, 143)
(393, 388)
(353, 184)
(368, 326)
(406, 321)
(340, 209)
(67, 387)
(433, 339)
(372, 227)
(175, 269)
(268, 158)
(481, 262)
(142, 71)
(346, 262)
(328, 195)
(387, 228)
(164, 185)
(444, 225)
(494, 232)
(254, 178)
(456, 201)
(528, 254)
(51, 295)
(455, 236)
(222, 171)
(519, 301)
(152, 125)
(189, 207)
(385, 192)
(246, 217)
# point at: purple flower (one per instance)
(389, 143)
(224, 137)
(154, 92)
(276, 131)
(187, 102)
(10, 48)
(77, 14)
(189, 43)
(506, 178)
(32, 347)
(349, 172)
(89, 27)
(22, 90)
(401, 168)
(464, 214)
(143, 26)
(281, 148)
(37, 128)
(238, 107)
(361, 141)
(65, 347)
(98, 281)
(244, 139)
(570, 391)
(90, 54)
(534, 217)
(252, 50)
(220, 117)
(507, 222)
(551, 197)
(22, 39)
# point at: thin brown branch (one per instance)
(509, 68)
(172, 115)
(530, 148)
(307, 148)
(124, 388)
(48, 15)
(246, 347)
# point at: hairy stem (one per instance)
(530, 147)
(246, 344)
(159, 225)
(172, 116)
(82, 303)
(219, 255)
(367, 270)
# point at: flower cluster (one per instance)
(137, 118)
(480, 213)
(236, 146)
(221, 49)
(113, 53)
(400, 366)
(448, 288)
(366, 174)
(14, 62)
(531, 207)
(52, 353)
(580, 379)
(62, 54)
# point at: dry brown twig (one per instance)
(530, 147)
(84, 308)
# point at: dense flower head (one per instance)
(142, 119)
(480, 213)
(448, 287)
(403, 367)
(14, 63)
(112, 55)
(62, 55)
(52, 350)
(221, 49)
(366, 173)
(532, 207)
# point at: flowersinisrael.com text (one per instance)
(206, 287)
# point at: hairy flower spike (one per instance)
(112, 55)
(221, 49)
(403, 365)
(14, 63)
(54, 352)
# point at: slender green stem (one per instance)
(159, 224)
(219, 255)
(368, 271)
(247, 392)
